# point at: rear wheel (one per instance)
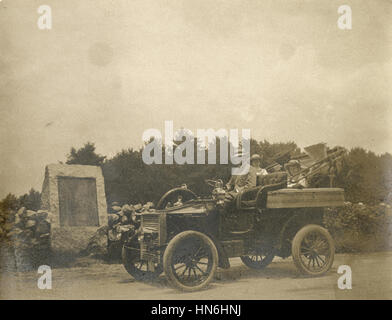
(190, 261)
(138, 268)
(258, 260)
(313, 250)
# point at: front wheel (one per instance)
(190, 261)
(138, 268)
(313, 250)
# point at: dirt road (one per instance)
(371, 279)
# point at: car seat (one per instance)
(256, 197)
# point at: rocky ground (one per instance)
(371, 279)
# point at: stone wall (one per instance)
(26, 243)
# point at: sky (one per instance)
(110, 69)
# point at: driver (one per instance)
(249, 180)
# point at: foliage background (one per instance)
(365, 177)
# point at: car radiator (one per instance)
(153, 226)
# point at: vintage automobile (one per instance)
(188, 237)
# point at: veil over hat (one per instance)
(255, 157)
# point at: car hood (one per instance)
(192, 207)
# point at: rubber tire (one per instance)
(135, 272)
(168, 255)
(296, 245)
(258, 266)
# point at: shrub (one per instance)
(359, 227)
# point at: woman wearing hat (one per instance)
(248, 180)
(295, 179)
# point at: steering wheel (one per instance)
(172, 196)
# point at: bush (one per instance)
(359, 227)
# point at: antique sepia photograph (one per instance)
(195, 150)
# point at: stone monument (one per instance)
(75, 195)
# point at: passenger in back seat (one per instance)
(295, 179)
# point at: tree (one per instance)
(9, 203)
(129, 180)
(85, 155)
(8, 206)
(31, 200)
(365, 176)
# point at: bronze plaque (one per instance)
(78, 201)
